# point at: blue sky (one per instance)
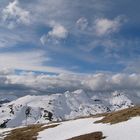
(80, 36)
(59, 45)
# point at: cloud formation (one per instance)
(104, 26)
(31, 83)
(57, 33)
(13, 14)
(32, 61)
(86, 35)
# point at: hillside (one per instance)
(58, 107)
(84, 129)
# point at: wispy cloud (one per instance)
(32, 61)
(104, 26)
(57, 33)
(13, 14)
(82, 23)
(86, 34)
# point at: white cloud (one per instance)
(96, 82)
(13, 14)
(32, 61)
(6, 71)
(104, 26)
(99, 83)
(57, 33)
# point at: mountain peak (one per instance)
(68, 105)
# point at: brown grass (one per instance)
(91, 136)
(120, 116)
(31, 132)
(27, 133)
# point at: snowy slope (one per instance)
(129, 130)
(63, 106)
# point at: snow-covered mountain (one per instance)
(70, 105)
(118, 125)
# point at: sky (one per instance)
(51, 43)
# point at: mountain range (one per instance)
(33, 109)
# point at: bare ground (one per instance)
(91, 136)
(27, 133)
(31, 132)
(120, 116)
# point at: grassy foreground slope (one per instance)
(27, 133)
(120, 116)
(31, 132)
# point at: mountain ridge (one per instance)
(69, 105)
